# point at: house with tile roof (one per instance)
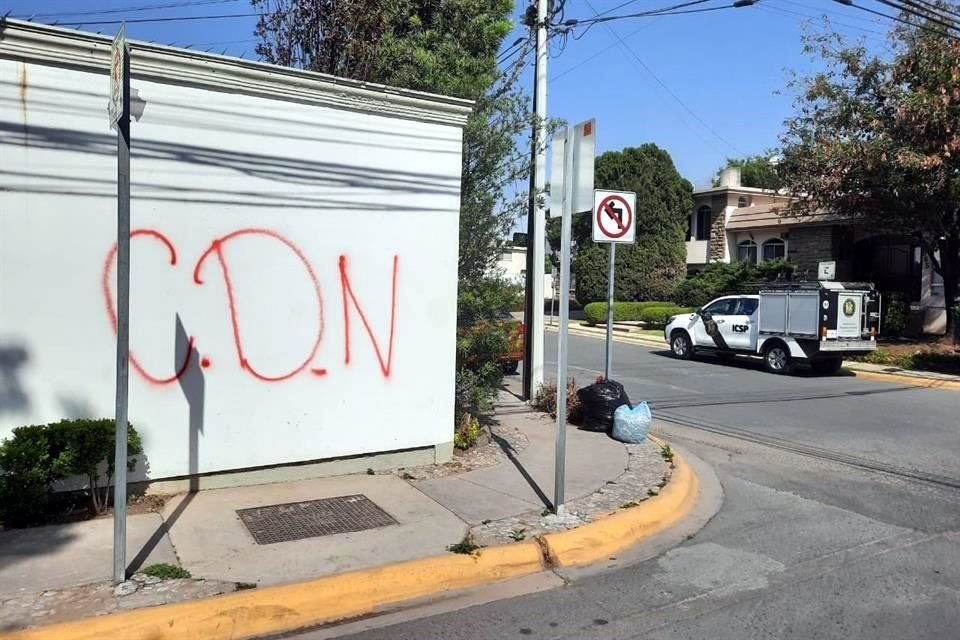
(731, 223)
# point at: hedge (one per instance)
(37, 456)
(652, 313)
(656, 317)
(596, 312)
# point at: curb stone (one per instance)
(284, 608)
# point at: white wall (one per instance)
(302, 188)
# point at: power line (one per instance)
(102, 12)
(929, 12)
(769, 7)
(666, 88)
(674, 10)
(598, 53)
(929, 6)
(169, 19)
(850, 3)
(913, 12)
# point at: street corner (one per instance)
(605, 537)
(301, 605)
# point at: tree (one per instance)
(648, 268)
(876, 140)
(759, 172)
(447, 47)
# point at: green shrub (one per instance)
(166, 571)
(657, 317)
(467, 432)
(596, 312)
(37, 456)
(718, 278)
(896, 314)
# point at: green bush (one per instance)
(719, 278)
(467, 432)
(596, 312)
(657, 317)
(481, 338)
(37, 456)
(896, 314)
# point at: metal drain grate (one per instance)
(313, 518)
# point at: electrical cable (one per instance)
(915, 13)
(167, 19)
(850, 3)
(670, 92)
(103, 12)
(599, 53)
(674, 10)
(770, 7)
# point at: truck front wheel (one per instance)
(776, 359)
(680, 345)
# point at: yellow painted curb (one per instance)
(256, 612)
(271, 610)
(604, 538)
(929, 383)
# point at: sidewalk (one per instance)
(204, 533)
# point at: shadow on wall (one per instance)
(13, 399)
(341, 180)
(193, 385)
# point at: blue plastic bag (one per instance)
(630, 424)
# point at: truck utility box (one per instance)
(842, 316)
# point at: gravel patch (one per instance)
(647, 472)
(101, 598)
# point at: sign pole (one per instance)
(610, 272)
(561, 442)
(123, 307)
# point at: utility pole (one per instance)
(536, 214)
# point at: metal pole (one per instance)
(123, 331)
(561, 444)
(610, 272)
(535, 326)
(536, 216)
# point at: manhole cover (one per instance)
(313, 518)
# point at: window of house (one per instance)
(690, 227)
(704, 218)
(774, 248)
(747, 251)
(742, 202)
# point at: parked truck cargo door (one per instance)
(850, 316)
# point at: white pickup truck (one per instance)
(814, 322)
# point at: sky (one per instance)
(704, 87)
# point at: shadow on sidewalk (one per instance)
(512, 456)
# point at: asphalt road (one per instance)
(841, 518)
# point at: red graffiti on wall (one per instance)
(216, 247)
(112, 312)
(348, 291)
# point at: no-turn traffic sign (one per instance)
(613, 216)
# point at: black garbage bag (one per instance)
(598, 402)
